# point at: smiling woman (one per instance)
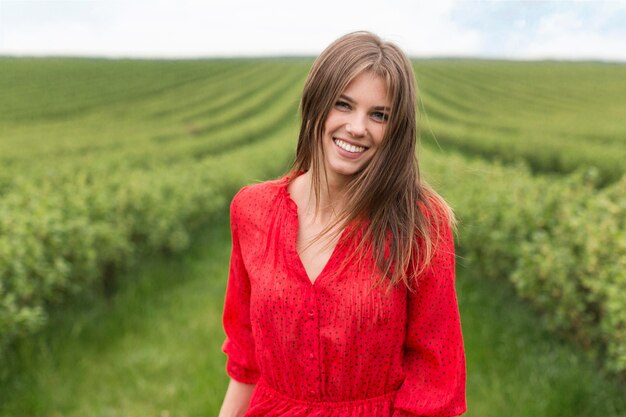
(341, 298)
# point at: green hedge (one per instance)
(560, 240)
(64, 238)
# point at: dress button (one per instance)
(312, 313)
(311, 355)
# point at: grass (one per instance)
(154, 349)
(556, 116)
(518, 368)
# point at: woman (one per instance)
(341, 298)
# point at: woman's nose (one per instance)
(356, 126)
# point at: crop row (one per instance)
(176, 111)
(561, 242)
(142, 146)
(544, 154)
(58, 88)
(61, 240)
(557, 117)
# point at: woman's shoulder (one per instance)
(256, 196)
(436, 210)
(440, 221)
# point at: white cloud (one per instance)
(188, 28)
(568, 35)
(194, 28)
(559, 22)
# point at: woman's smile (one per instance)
(349, 150)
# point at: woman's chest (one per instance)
(285, 300)
(314, 252)
(343, 299)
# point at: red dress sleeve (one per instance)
(239, 346)
(434, 356)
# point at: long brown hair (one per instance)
(387, 197)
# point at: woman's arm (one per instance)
(434, 355)
(239, 344)
(237, 399)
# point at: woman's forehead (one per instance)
(370, 79)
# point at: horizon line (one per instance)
(122, 57)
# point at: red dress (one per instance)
(332, 348)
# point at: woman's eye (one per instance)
(342, 105)
(380, 116)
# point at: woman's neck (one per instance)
(331, 198)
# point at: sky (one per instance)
(571, 30)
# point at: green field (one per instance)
(110, 165)
(555, 116)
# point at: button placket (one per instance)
(313, 336)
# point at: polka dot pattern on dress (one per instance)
(335, 347)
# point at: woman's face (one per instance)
(354, 128)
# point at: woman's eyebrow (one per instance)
(347, 98)
(351, 100)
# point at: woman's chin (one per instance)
(343, 170)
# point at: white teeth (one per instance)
(347, 147)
